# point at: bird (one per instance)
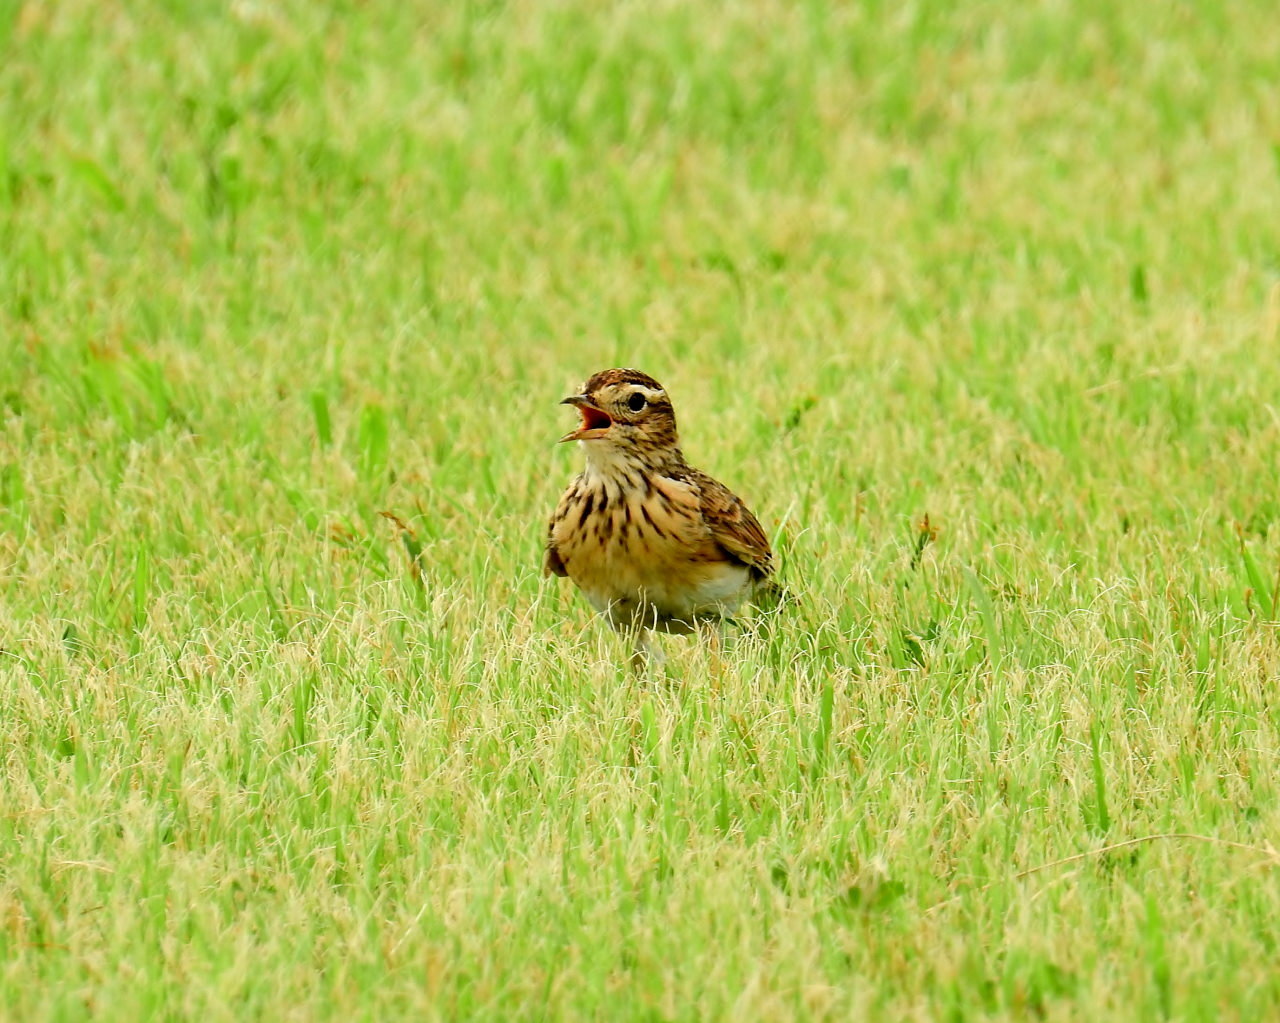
(654, 544)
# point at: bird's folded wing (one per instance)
(552, 563)
(733, 526)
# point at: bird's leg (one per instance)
(712, 633)
(644, 654)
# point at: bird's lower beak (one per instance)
(595, 420)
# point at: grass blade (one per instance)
(320, 413)
(986, 611)
(1103, 816)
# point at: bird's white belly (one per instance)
(686, 594)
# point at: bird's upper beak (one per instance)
(595, 420)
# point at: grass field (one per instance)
(978, 305)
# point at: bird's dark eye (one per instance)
(636, 402)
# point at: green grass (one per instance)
(978, 305)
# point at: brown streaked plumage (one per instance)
(652, 542)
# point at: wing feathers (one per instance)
(733, 526)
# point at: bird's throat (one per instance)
(616, 462)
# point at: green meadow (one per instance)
(977, 305)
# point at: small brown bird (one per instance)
(652, 542)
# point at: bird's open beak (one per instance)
(595, 421)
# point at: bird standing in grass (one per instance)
(652, 542)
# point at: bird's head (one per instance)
(625, 415)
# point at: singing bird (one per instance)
(653, 543)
